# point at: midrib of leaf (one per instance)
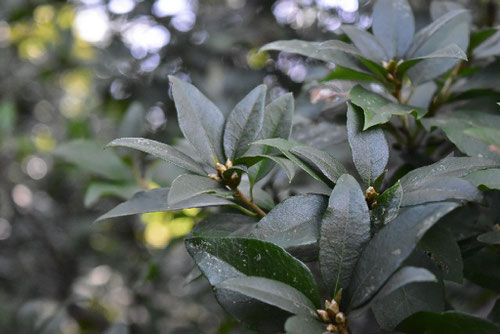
(342, 249)
(238, 140)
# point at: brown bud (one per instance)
(338, 296)
(340, 318)
(323, 316)
(333, 309)
(332, 328)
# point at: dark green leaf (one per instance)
(377, 109)
(444, 250)
(489, 47)
(287, 165)
(370, 150)
(483, 268)
(489, 178)
(366, 43)
(277, 123)
(387, 208)
(387, 250)
(224, 225)
(448, 167)
(156, 201)
(244, 123)
(91, 157)
(132, 124)
(404, 276)
(345, 229)
(331, 168)
(494, 315)
(187, 186)
(271, 292)
(222, 258)
(343, 73)
(477, 37)
(300, 324)
(161, 151)
(334, 51)
(294, 223)
(449, 51)
(451, 28)
(440, 8)
(449, 322)
(97, 190)
(437, 189)
(394, 26)
(200, 120)
(491, 238)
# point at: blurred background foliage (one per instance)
(76, 74)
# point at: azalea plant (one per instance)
(404, 219)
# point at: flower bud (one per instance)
(215, 177)
(229, 163)
(220, 167)
(333, 309)
(331, 328)
(340, 318)
(323, 315)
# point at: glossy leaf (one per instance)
(133, 123)
(450, 51)
(161, 151)
(224, 225)
(277, 123)
(449, 322)
(388, 204)
(394, 26)
(377, 109)
(200, 120)
(97, 190)
(271, 292)
(387, 250)
(300, 324)
(491, 238)
(156, 201)
(445, 252)
(366, 43)
(337, 52)
(370, 151)
(294, 223)
(329, 166)
(345, 229)
(404, 276)
(90, 156)
(489, 178)
(440, 8)
(221, 258)
(244, 123)
(187, 186)
(437, 189)
(483, 268)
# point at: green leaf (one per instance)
(343, 73)
(483, 268)
(393, 25)
(97, 190)
(438, 189)
(448, 167)
(278, 116)
(486, 134)
(331, 168)
(285, 146)
(404, 276)
(445, 252)
(222, 258)
(287, 165)
(90, 156)
(494, 315)
(479, 36)
(387, 250)
(187, 186)
(457, 126)
(378, 109)
(132, 124)
(224, 225)
(387, 208)
(440, 8)
(449, 51)
(489, 47)
(485, 179)
(425, 295)
(161, 151)
(337, 52)
(300, 324)
(244, 123)
(366, 43)
(490, 238)
(200, 120)
(451, 28)
(345, 229)
(156, 201)
(449, 322)
(271, 292)
(370, 151)
(294, 223)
